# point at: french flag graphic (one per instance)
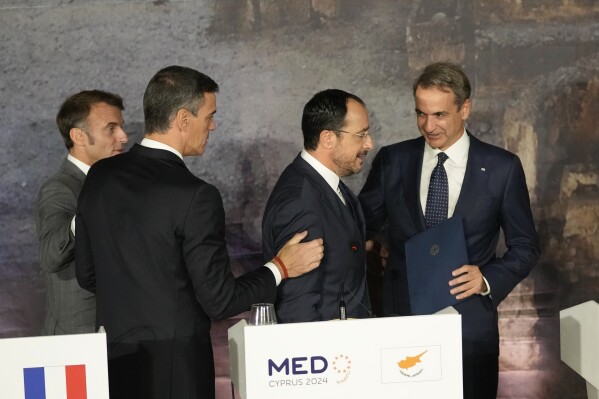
(55, 382)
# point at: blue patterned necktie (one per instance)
(438, 194)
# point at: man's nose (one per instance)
(429, 124)
(368, 143)
(122, 136)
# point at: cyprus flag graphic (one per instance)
(417, 363)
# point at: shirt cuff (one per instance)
(275, 271)
(488, 291)
(73, 226)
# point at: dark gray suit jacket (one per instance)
(69, 308)
(303, 200)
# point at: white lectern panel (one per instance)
(579, 343)
(49, 367)
(417, 356)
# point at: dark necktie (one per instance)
(438, 194)
(349, 201)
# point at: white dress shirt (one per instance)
(455, 167)
(146, 142)
(81, 165)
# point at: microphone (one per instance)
(354, 247)
(342, 309)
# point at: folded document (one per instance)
(431, 256)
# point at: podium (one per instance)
(415, 356)
(579, 343)
(61, 366)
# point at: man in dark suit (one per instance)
(151, 244)
(485, 186)
(310, 196)
(91, 125)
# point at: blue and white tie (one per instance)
(438, 194)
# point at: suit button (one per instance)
(62, 245)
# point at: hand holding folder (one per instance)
(431, 257)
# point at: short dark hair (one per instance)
(74, 110)
(325, 111)
(445, 76)
(171, 89)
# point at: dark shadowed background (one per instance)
(534, 65)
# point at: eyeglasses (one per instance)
(364, 135)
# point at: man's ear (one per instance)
(327, 139)
(78, 136)
(465, 109)
(182, 119)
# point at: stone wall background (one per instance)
(533, 63)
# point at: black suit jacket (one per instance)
(302, 200)
(150, 243)
(493, 196)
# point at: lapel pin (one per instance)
(483, 169)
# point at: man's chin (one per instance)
(435, 143)
(357, 168)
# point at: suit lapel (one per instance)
(413, 169)
(475, 178)
(328, 196)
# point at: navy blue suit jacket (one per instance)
(303, 200)
(493, 196)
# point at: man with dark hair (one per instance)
(447, 172)
(310, 196)
(152, 247)
(91, 126)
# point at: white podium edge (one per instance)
(573, 335)
(237, 356)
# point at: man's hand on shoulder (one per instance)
(469, 282)
(299, 257)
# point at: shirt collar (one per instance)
(146, 142)
(79, 164)
(327, 174)
(457, 153)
